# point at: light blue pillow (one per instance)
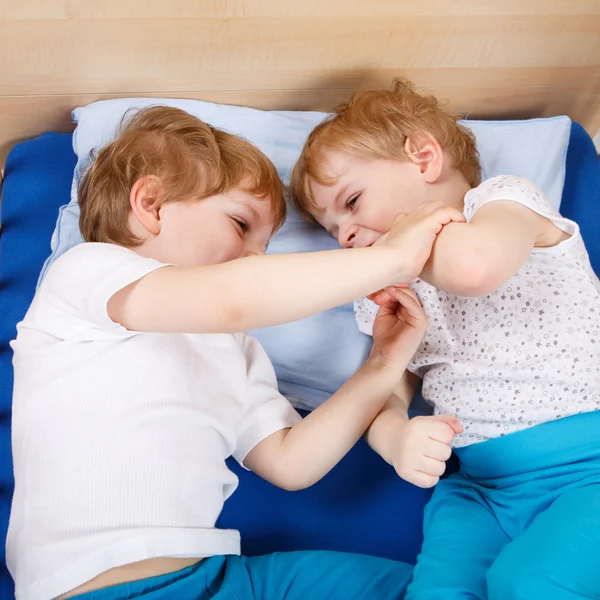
(313, 357)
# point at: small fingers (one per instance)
(438, 215)
(411, 310)
(441, 432)
(380, 297)
(452, 421)
(423, 480)
(385, 292)
(437, 450)
(443, 216)
(405, 296)
(401, 291)
(434, 428)
(430, 466)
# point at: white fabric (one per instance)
(313, 357)
(523, 355)
(120, 438)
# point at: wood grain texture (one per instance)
(184, 9)
(488, 58)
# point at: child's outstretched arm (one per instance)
(261, 291)
(296, 458)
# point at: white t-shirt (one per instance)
(120, 438)
(523, 355)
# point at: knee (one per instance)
(500, 580)
(512, 579)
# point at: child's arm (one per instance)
(476, 258)
(297, 457)
(261, 291)
(417, 448)
(382, 434)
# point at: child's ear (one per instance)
(425, 151)
(144, 199)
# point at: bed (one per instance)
(489, 58)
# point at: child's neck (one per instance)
(451, 189)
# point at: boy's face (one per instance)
(367, 195)
(214, 230)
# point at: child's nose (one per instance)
(347, 236)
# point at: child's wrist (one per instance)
(379, 362)
(386, 370)
(389, 431)
(396, 365)
(399, 270)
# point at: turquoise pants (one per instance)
(289, 575)
(520, 521)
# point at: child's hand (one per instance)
(422, 446)
(399, 326)
(413, 234)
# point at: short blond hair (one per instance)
(377, 123)
(192, 160)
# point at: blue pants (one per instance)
(289, 575)
(521, 519)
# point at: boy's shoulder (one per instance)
(91, 251)
(506, 182)
(90, 261)
(71, 300)
(508, 187)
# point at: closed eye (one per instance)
(351, 202)
(241, 224)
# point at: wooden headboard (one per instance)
(488, 58)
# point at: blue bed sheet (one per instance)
(361, 505)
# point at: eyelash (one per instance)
(354, 200)
(242, 225)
